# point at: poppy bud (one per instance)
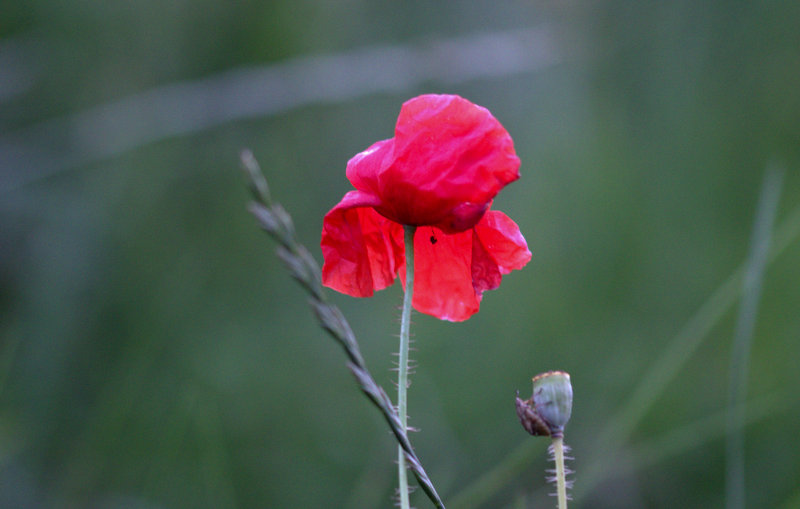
(552, 398)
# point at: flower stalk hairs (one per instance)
(420, 211)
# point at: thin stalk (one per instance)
(402, 371)
(561, 481)
(743, 338)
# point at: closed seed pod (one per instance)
(552, 399)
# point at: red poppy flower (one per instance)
(447, 161)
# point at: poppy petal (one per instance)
(451, 271)
(364, 168)
(447, 161)
(500, 238)
(485, 272)
(362, 249)
(442, 274)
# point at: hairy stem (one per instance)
(561, 481)
(402, 371)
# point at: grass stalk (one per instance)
(304, 269)
(743, 338)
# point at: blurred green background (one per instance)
(155, 354)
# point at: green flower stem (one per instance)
(402, 371)
(561, 482)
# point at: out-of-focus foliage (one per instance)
(154, 353)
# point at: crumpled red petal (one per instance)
(448, 159)
(442, 274)
(362, 249)
(501, 240)
(451, 272)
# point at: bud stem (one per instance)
(561, 482)
(402, 372)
